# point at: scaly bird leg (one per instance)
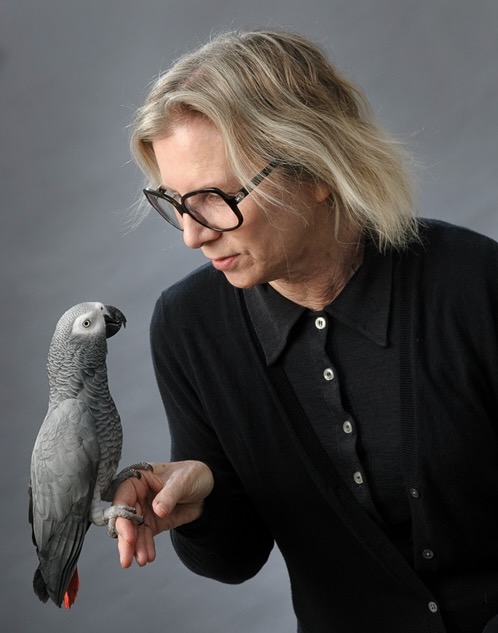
(125, 512)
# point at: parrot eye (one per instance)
(86, 323)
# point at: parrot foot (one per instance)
(125, 512)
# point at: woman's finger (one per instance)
(126, 541)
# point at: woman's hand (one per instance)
(170, 495)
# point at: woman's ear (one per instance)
(321, 192)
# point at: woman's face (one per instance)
(272, 243)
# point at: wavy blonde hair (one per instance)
(274, 95)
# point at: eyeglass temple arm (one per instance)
(257, 180)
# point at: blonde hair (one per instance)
(273, 95)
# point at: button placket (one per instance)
(318, 334)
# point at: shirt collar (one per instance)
(363, 305)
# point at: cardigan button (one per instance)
(328, 374)
(414, 493)
(347, 427)
(320, 323)
(428, 554)
(358, 477)
(433, 608)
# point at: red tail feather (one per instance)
(72, 590)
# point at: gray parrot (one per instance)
(77, 450)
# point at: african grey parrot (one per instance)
(77, 450)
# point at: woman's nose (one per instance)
(195, 235)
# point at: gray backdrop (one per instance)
(71, 74)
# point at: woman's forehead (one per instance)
(192, 156)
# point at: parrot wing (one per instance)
(63, 477)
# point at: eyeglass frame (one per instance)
(231, 200)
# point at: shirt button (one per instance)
(428, 554)
(358, 478)
(432, 607)
(414, 493)
(328, 374)
(347, 427)
(320, 323)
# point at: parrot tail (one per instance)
(72, 590)
(39, 586)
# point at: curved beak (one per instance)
(114, 319)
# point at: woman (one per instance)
(329, 375)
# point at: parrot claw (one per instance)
(123, 475)
(125, 512)
(131, 471)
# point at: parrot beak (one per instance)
(113, 321)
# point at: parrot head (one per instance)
(81, 334)
(89, 320)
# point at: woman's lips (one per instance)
(224, 263)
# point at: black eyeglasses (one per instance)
(211, 207)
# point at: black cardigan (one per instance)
(274, 482)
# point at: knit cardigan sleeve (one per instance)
(229, 542)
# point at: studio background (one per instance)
(71, 75)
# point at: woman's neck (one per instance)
(323, 283)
